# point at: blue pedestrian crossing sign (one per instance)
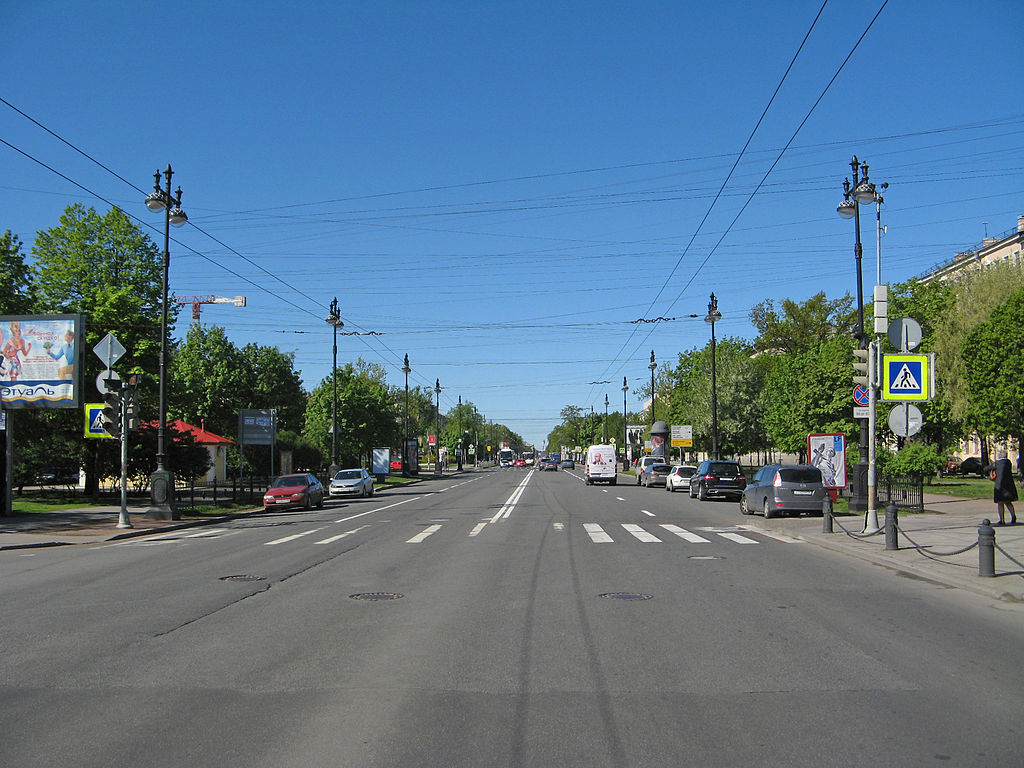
(94, 421)
(908, 377)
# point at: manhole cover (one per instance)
(626, 596)
(377, 596)
(241, 577)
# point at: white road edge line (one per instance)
(419, 537)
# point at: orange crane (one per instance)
(198, 301)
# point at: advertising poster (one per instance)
(827, 452)
(40, 359)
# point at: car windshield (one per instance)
(348, 474)
(723, 468)
(289, 481)
(800, 475)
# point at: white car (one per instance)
(351, 482)
(643, 462)
(679, 479)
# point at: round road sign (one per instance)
(860, 395)
(905, 419)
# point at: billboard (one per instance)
(827, 452)
(41, 360)
(257, 426)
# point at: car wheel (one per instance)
(690, 491)
(669, 487)
(744, 509)
(308, 503)
(769, 510)
(371, 491)
(702, 492)
(614, 480)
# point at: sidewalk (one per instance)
(930, 544)
(926, 541)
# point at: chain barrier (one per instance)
(1012, 559)
(852, 534)
(936, 556)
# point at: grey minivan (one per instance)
(778, 488)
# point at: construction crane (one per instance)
(198, 301)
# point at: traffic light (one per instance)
(860, 365)
(112, 414)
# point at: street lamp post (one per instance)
(459, 447)
(861, 191)
(405, 445)
(161, 487)
(437, 429)
(653, 366)
(334, 320)
(713, 317)
(625, 433)
(604, 430)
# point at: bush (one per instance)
(912, 459)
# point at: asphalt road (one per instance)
(531, 621)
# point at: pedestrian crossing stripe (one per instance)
(908, 377)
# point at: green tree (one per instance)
(993, 354)
(800, 326)
(106, 268)
(17, 288)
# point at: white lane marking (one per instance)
(640, 533)
(559, 526)
(341, 535)
(379, 509)
(512, 500)
(209, 532)
(738, 538)
(771, 534)
(649, 514)
(430, 529)
(597, 534)
(292, 537)
(479, 527)
(620, 498)
(682, 533)
(604, 490)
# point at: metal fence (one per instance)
(904, 492)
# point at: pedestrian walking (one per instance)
(1004, 492)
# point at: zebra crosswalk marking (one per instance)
(682, 533)
(640, 533)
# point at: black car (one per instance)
(972, 466)
(717, 479)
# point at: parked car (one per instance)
(299, 490)
(778, 488)
(679, 478)
(972, 466)
(643, 462)
(952, 465)
(351, 482)
(717, 479)
(567, 464)
(655, 474)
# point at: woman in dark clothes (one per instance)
(1004, 492)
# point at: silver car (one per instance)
(679, 478)
(351, 482)
(779, 488)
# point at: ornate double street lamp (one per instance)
(653, 366)
(860, 191)
(405, 445)
(334, 320)
(161, 483)
(713, 317)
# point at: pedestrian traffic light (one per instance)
(860, 366)
(112, 414)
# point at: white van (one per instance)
(601, 466)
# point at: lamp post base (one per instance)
(161, 496)
(859, 488)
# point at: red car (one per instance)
(520, 462)
(300, 490)
(396, 465)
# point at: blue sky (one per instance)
(499, 189)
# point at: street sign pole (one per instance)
(871, 516)
(122, 518)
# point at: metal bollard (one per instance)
(826, 514)
(891, 534)
(986, 549)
